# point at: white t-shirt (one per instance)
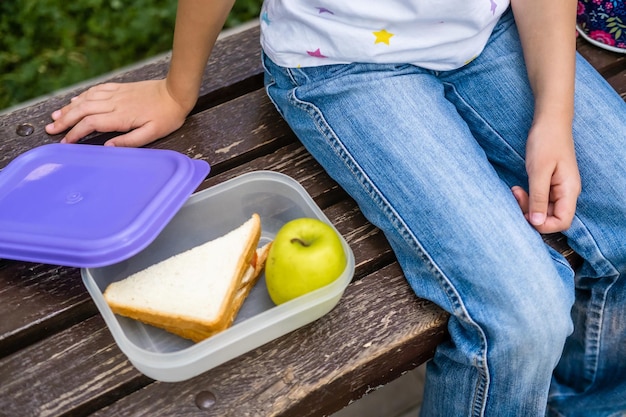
(435, 34)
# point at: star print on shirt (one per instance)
(382, 36)
(494, 5)
(316, 53)
(265, 18)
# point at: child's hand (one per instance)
(554, 181)
(145, 110)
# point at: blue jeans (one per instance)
(430, 158)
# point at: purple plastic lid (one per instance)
(90, 206)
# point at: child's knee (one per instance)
(536, 337)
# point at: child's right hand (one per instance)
(145, 110)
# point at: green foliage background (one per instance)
(46, 45)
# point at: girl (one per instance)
(462, 129)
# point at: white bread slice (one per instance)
(249, 280)
(197, 293)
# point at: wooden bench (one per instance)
(57, 357)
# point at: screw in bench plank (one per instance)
(205, 400)
(25, 129)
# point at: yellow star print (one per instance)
(382, 36)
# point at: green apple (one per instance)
(306, 254)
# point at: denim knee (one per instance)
(534, 336)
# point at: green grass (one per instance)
(46, 45)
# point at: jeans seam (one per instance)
(460, 311)
(291, 76)
(595, 313)
(452, 90)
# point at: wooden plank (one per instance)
(76, 370)
(316, 369)
(98, 370)
(226, 142)
(37, 300)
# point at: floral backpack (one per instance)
(603, 23)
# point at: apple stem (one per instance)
(300, 241)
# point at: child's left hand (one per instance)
(144, 110)
(553, 177)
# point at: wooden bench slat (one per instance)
(98, 367)
(68, 372)
(316, 369)
(258, 131)
(36, 300)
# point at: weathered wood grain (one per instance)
(37, 300)
(75, 371)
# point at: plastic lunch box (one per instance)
(114, 211)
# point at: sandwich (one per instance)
(197, 293)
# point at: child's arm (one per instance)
(547, 31)
(148, 110)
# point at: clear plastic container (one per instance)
(208, 214)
